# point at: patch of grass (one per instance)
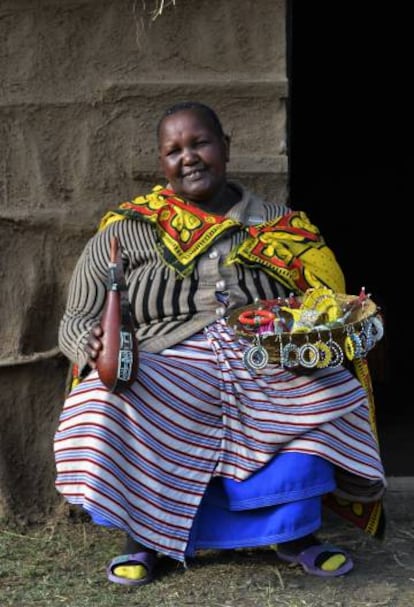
(62, 563)
(56, 564)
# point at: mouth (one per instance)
(194, 174)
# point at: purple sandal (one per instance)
(308, 557)
(147, 559)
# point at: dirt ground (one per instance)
(383, 576)
(63, 563)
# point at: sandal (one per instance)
(146, 559)
(308, 559)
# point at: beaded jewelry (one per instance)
(351, 344)
(357, 343)
(325, 354)
(350, 327)
(256, 357)
(349, 348)
(256, 318)
(289, 356)
(377, 328)
(367, 337)
(308, 355)
(336, 351)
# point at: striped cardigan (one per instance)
(167, 308)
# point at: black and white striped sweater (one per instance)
(167, 308)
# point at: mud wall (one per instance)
(82, 84)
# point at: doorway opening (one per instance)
(350, 149)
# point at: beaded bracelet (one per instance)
(256, 318)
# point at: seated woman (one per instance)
(201, 451)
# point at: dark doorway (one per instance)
(351, 150)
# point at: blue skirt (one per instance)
(280, 502)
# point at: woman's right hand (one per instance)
(94, 345)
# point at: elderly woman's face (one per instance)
(193, 156)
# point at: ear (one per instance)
(226, 139)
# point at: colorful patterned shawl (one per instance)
(288, 248)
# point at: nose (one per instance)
(189, 155)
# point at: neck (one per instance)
(222, 202)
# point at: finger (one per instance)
(93, 348)
(97, 330)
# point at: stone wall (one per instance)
(82, 84)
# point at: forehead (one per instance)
(186, 121)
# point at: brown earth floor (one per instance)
(383, 573)
(64, 565)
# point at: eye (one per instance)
(171, 152)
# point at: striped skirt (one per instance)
(142, 460)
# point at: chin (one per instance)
(195, 195)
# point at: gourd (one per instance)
(117, 363)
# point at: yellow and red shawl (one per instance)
(289, 248)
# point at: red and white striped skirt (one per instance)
(141, 460)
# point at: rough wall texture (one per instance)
(82, 84)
